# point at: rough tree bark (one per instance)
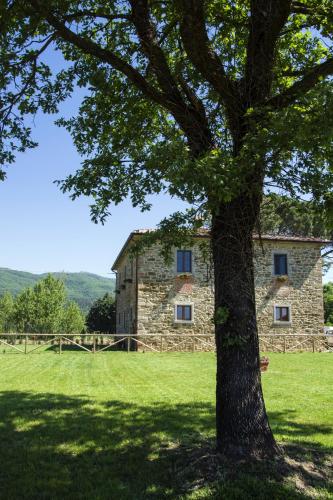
(241, 420)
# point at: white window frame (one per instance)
(280, 252)
(279, 322)
(184, 321)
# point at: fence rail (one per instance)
(97, 342)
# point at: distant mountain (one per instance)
(82, 287)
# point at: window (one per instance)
(280, 264)
(184, 261)
(282, 314)
(184, 313)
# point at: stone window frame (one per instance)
(183, 321)
(281, 252)
(282, 323)
(182, 273)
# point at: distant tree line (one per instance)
(44, 308)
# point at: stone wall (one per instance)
(301, 290)
(160, 289)
(126, 295)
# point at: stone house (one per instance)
(155, 298)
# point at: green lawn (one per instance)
(111, 425)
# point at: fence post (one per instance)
(60, 344)
(25, 344)
(128, 344)
(313, 344)
(94, 344)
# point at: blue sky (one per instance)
(42, 229)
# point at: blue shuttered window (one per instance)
(280, 264)
(184, 313)
(184, 261)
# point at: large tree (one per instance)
(43, 309)
(211, 101)
(102, 315)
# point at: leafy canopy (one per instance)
(185, 97)
(102, 315)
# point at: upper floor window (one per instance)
(280, 264)
(184, 261)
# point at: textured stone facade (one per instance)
(301, 290)
(149, 291)
(126, 295)
(161, 289)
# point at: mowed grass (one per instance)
(110, 426)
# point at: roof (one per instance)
(205, 233)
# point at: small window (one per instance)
(280, 264)
(184, 313)
(282, 314)
(184, 261)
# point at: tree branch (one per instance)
(311, 78)
(197, 46)
(268, 17)
(91, 48)
(191, 117)
(193, 124)
(147, 35)
(306, 10)
(102, 15)
(328, 252)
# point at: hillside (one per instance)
(82, 287)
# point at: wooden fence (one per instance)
(96, 343)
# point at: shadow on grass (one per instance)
(56, 446)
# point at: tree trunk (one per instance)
(241, 420)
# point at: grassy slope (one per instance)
(82, 287)
(105, 426)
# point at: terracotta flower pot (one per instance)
(264, 362)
